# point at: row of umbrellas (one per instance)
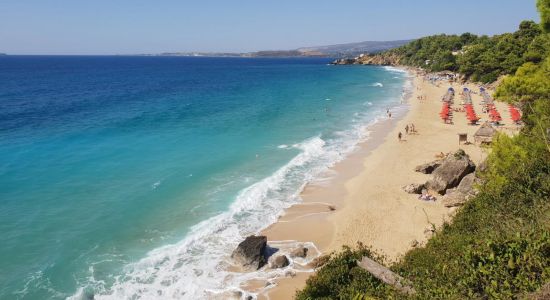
(470, 113)
(494, 114)
(445, 113)
(514, 113)
(490, 107)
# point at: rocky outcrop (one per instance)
(414, 188)
(428, 168)
(344, 61)
(299, 252)
(450, 173)
(280, 261)
(466, 185)
(381, 59)
(459, 195)
(453, 199)
(250, 253)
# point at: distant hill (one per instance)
(336, 51)
(352, 49)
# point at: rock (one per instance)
(280, 261)
(414, 188)
(299, 252)
(453, 198)
(250, 253)
(414, 244)
(450, 173)
(428, 168)
(290, 273)
(344, 61)
(466, 185)
(459, 195)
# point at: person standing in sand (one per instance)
(407, 129)
(399, 135)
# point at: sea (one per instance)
(135, 177)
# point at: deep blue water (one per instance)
(104, 159)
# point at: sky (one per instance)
(155, 26)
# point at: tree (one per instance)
(544, 10)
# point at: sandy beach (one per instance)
(364, 201)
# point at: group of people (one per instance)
(409, 129)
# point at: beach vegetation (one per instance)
(479, 58)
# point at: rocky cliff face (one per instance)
(381, 59)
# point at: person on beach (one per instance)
(399, 135)
(407, 129)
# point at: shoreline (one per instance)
(370, 205)
(310, 220)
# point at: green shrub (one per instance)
(341, 278)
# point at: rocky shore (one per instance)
(381, 59)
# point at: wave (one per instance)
(395, 70)
(378, 84)
(198, 266)
(194, 267)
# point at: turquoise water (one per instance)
(136, 176)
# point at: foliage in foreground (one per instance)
(498, 246)
(341, 278)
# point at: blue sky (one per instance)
(141, 26)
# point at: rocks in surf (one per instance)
(251, 253)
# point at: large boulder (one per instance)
(428, 168)
(280, 261)
(414, 188)
(453, 198)
(250, 253)
(459, 195)
(466, 185)
(450, 173)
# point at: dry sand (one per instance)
(364, 202)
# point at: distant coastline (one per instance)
(329, 51)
